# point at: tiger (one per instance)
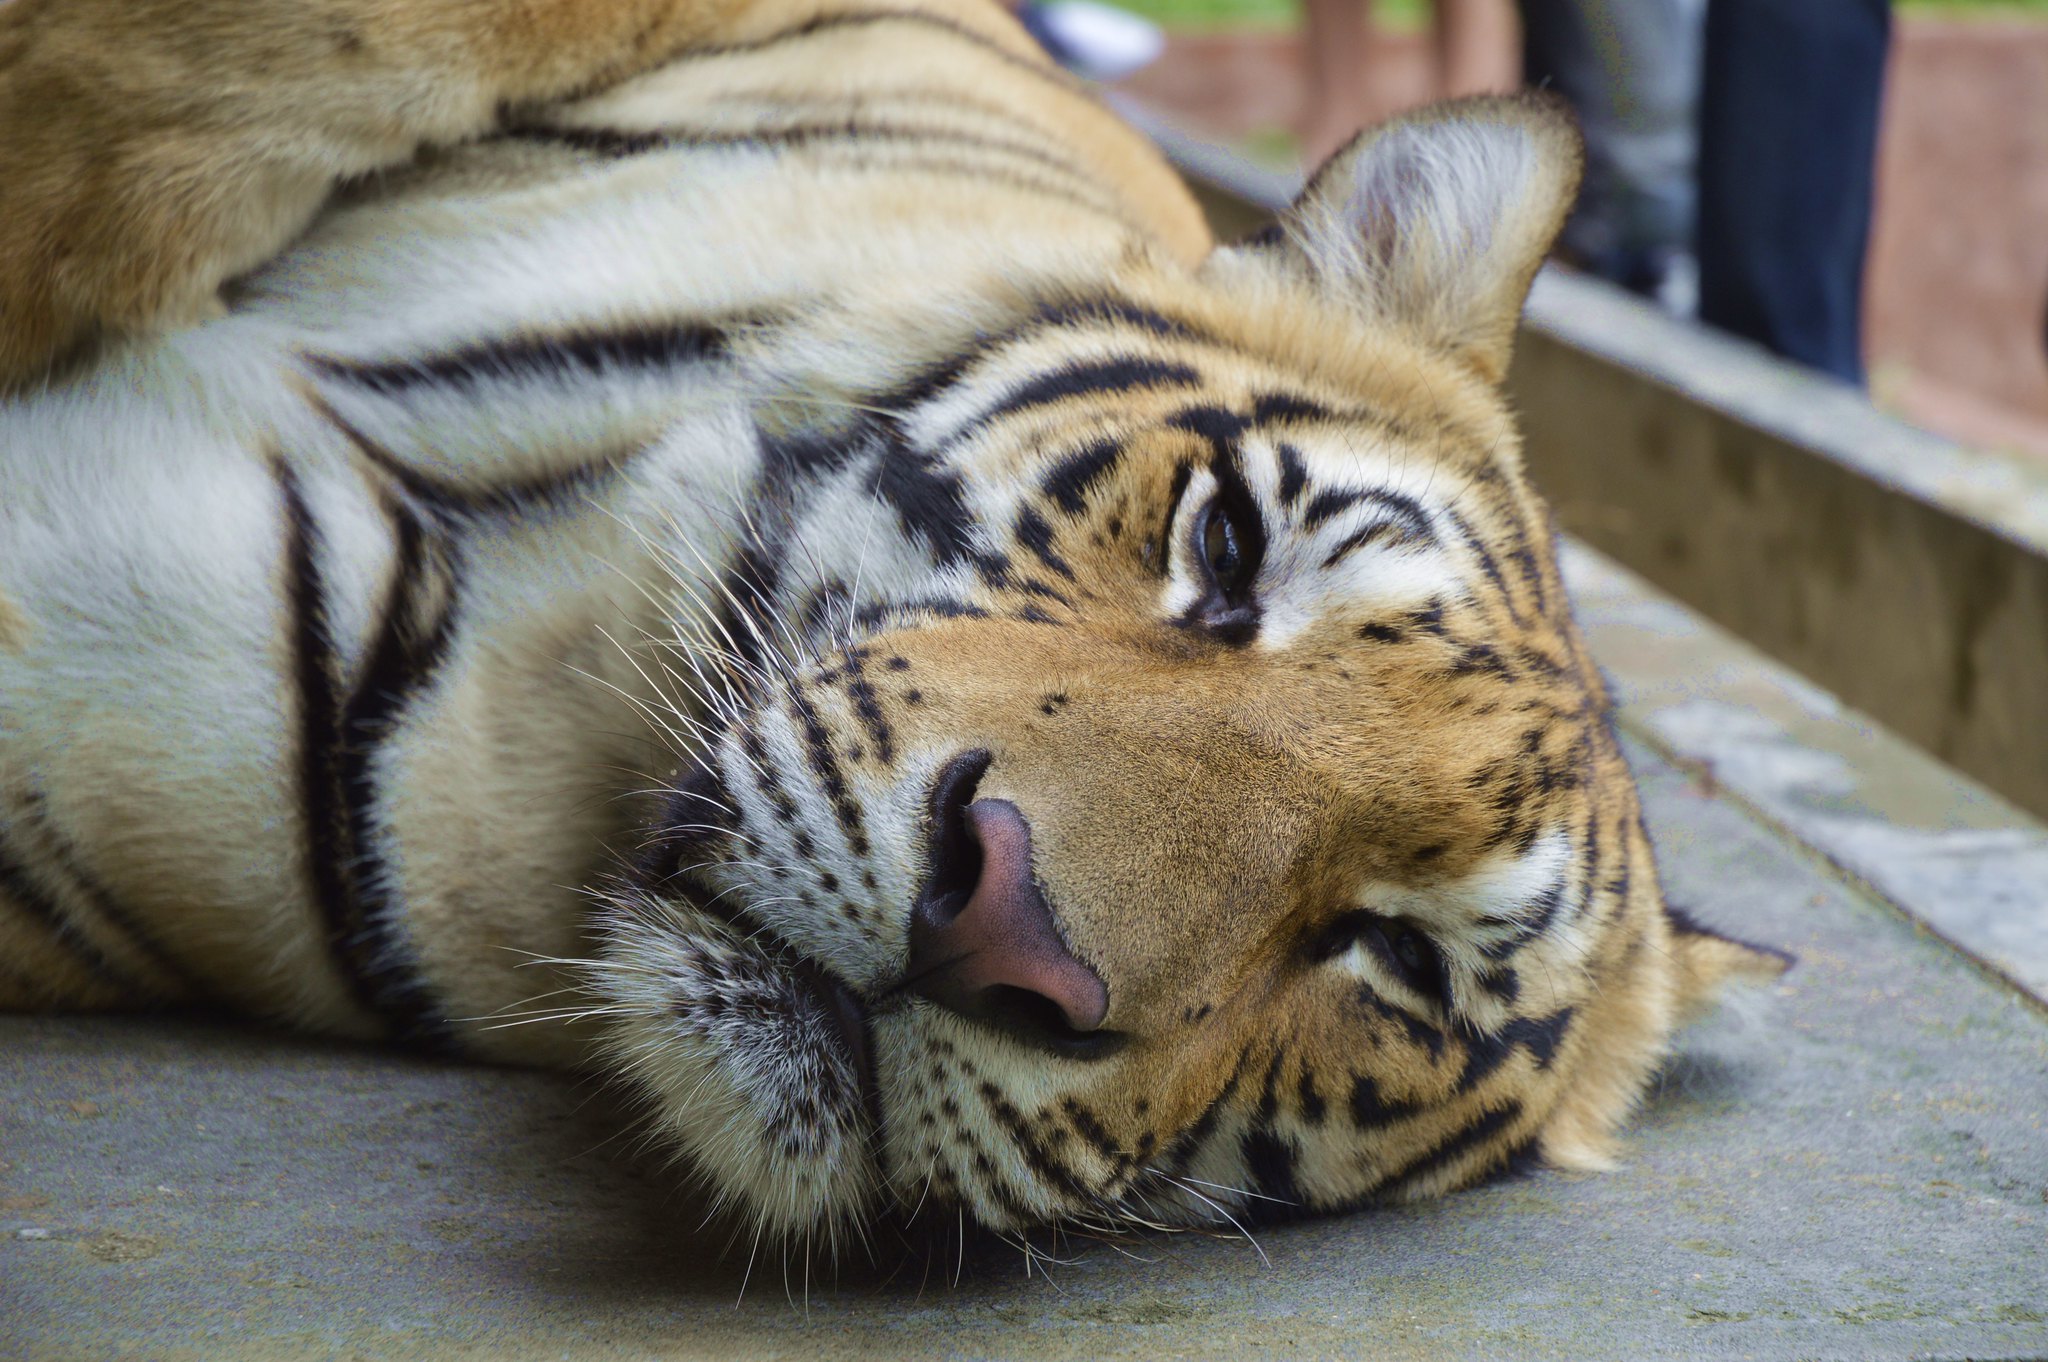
(763, 553)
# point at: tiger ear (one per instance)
(1436, 221)
(1707, 961)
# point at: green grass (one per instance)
(1408, 15)
(1960, 8)
(1267, 14)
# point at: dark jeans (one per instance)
(1787, 163)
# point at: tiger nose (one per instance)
(982, 938)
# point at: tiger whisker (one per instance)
(1221, 1210)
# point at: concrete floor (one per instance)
(1854, 1166)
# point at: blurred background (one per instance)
(1939, 229)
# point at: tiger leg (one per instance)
(156, 148)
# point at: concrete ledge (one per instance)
(1903, 573)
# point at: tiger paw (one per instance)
(128, 193)
(126, 232)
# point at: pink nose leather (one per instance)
(1004, 937)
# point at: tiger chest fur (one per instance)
(800, 580)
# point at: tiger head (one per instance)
(1193, 800)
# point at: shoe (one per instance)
(1093, 40)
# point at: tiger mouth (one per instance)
(849, 1023)
(848, 1016)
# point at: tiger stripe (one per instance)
(1466, 1145)
(832, 780)
(90, 906)
(1116, 376)
(95, 972)
(880, 148)
(1068, 482)
(562, 355)
(338, 740)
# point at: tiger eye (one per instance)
(1220, 549)
(1411, 950)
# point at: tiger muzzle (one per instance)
(983, 940)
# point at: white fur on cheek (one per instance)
(1299, 585)
(739, 1068)
(1185, 583)
(1500, 899)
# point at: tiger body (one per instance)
(574, 602)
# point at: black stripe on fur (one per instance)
(927, 498)
(831, 779)
(890, 148)
(352, 885)
(66, 876)
(578, 354)
(1450, 1152)
(1540, 1036)
(1293, 475)
(315, 672)
(1088, 378)
(20, 889)
(1070, 480)
(867, 707)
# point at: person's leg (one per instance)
(1094, 40)
(1335, 47)
(1788, 152)
(1471, 36)
(1631, 70)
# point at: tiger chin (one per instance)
(790, 572)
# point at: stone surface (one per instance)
(1854, 1165)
